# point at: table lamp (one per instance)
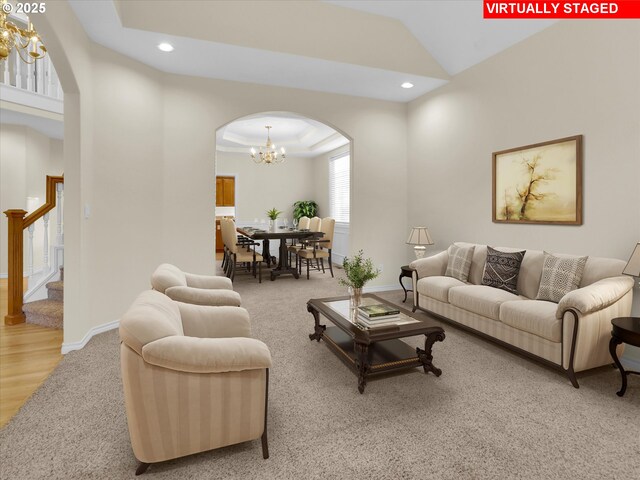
(419, 237)
(633, 265)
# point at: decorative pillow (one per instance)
(501, 269)
(459, 262)
(560, 275)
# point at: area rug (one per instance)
(492, 413)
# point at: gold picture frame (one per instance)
(539, 183)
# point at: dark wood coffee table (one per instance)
(371, 351)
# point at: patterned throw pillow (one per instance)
(501, 269)
(560, 275)
(459, 262)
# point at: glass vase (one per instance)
(355, 297)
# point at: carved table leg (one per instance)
(425, 356)
(403, 287)
(362, 364)
(613, 344)
(318, 329)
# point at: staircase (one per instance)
(48, 313)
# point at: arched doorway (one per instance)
(317, 168)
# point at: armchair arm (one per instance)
(207, 355)
(205, 281)
(214, 322)
(431, 266)
(200, 296)
(596, 296)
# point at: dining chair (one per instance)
(318, 249)
(303, 224)
(240, 252)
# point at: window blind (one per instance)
(339, 173)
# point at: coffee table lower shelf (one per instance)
(382, 356)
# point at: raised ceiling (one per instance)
(361, 48)
(300, 136)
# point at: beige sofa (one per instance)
(193, 378)
(196, 289)
(572, 335)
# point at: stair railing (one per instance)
(18, 222)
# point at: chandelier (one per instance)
(26, 41)
(270, 154)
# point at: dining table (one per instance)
(282, 234)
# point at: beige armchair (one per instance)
(196, 289)
(193, 378)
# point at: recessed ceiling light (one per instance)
(165, 47)
(407, 85)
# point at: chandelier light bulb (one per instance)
(407, 85)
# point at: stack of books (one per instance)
(378, 315)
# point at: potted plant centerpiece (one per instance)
(273, 218)
(358, 272)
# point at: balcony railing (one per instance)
(35, 85)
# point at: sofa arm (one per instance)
(431, 266)
(214, 322)
(207, 355)
(199, 296)
(205, 281)
(596, 296)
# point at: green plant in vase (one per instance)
(273, 213)
(304, 208)
(273, 216)
(358, 271)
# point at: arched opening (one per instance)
(316, 172)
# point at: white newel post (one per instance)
(59, 233)
(30, 229)
(46, 241)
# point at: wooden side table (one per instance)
(405, 271)
(627, 330)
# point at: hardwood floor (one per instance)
(28, 355)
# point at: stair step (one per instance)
(55, 290)
(47, 313)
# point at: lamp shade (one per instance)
(419, 236)
(633, 265)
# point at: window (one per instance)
(339, 174)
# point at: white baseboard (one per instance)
(105, 327)
(381, 288)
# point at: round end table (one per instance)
(625, 330)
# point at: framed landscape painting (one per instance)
(539, 183)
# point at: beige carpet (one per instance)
(492, 414)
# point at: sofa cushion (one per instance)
(501, 269)
(560, 275)
(438, 287)
(533, 316)
(480, 299)
(459, 262)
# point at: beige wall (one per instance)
(573, 78)
(141, 154)
(26, 157)
(262, 187)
